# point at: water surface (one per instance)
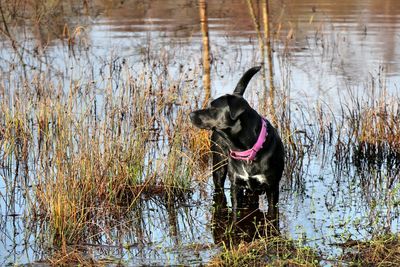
(323, 52)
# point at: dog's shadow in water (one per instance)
(249, 224)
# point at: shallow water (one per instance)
(323, 51)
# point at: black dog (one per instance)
(236, 128)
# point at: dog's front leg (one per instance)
(273, 210)
(220, 164)
(219, 174)
(234, 197)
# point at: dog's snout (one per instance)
(192, 116)
(196, 119)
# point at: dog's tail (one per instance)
(244, 81)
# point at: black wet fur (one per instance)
(244, 81)
(236, 126)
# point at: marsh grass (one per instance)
(85, 151)
(379, 251)
(272, 251)
(375, 133)
(362, 133)
(84, 155)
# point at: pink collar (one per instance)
(250, 154)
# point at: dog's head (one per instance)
(223, 113)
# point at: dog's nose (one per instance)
(192, 116)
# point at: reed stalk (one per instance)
(262, 52)
(205, 51)
(267, 36)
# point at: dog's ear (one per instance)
(237, 105)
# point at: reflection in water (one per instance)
(250, 222)
(350, 38)
(321, 49)
(205, 51)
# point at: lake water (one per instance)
(323, 52)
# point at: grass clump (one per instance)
(84, 155)
(271, 251)
(375, 131)
(379, 251)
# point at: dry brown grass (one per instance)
(86, 155)
(199, 144)
(376, 124)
